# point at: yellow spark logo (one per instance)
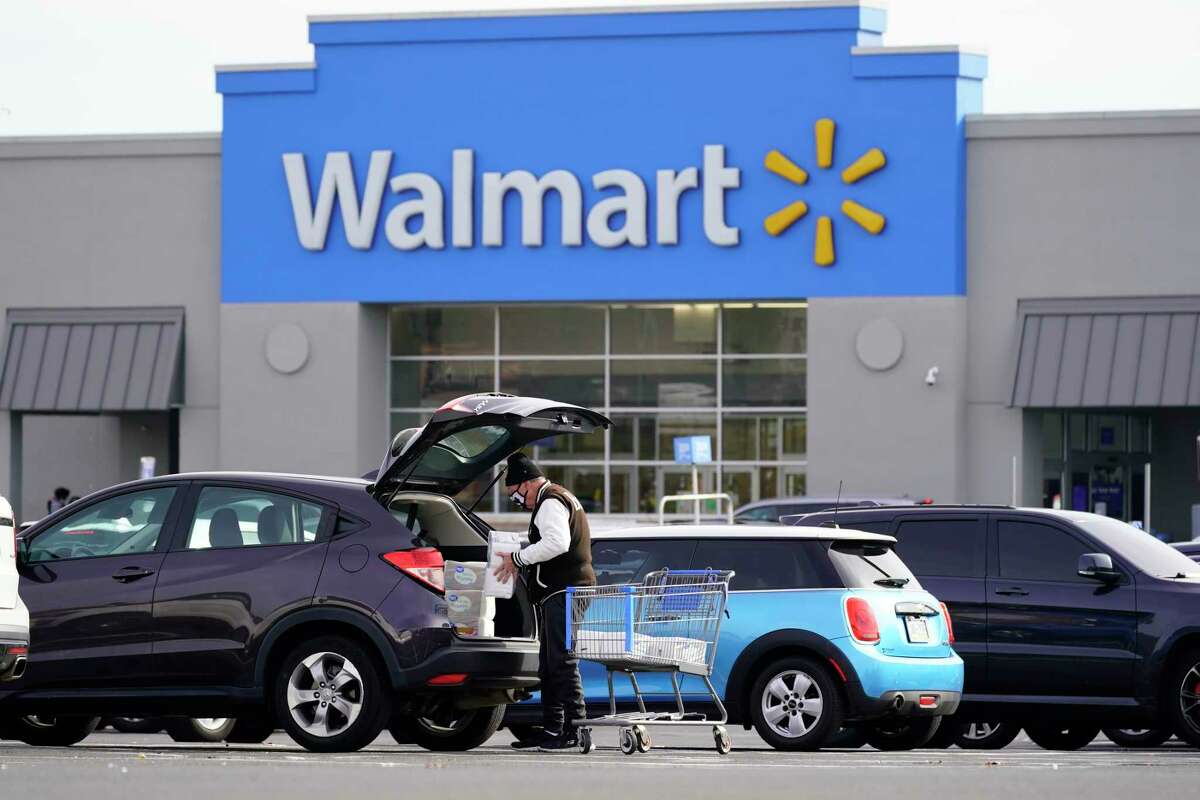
(871, 221)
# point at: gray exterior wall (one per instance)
(113, 221)
(887, 432)
(326, 418)
(1073, 205)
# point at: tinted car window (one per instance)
(865, 565)
(943, 547)
(629, 560)
(767, 563)
(1032, 551)
(760, 514)
(121, 525)
(231, 517)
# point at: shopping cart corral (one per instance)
(668, 623)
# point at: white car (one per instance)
(14, 618)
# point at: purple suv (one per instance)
(315, 604)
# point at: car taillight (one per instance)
(424, 564)
(861, 618)
(449, 679)
(949, 622)
(17, 650)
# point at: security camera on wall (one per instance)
(931, 376)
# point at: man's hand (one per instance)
(507, 569)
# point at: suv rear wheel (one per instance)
(450, 731)
(1183, 699)
(985, 735)
(901, 733)
(1061, 737)
(795, 704)
(329, 696)
(49, 731)
(1137, 737)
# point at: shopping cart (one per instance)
(668, 623)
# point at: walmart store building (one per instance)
(757, 223)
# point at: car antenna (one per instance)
(837, 502)
(483, 494)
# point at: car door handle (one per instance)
(127, 574)
(1012, 591)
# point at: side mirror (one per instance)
(22, 550)
(1098, 566)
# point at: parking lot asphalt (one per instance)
(682, 764)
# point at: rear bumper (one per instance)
(12, 664)
(901, 703)
(489, 664)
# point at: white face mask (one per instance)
(517, 498)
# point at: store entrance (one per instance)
(1097, 461)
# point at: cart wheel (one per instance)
(585, 740)
(642, 738)
(721, 737)
(628, 743)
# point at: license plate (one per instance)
(918, 629)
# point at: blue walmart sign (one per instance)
(698, 154)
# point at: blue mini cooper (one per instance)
(827, 628)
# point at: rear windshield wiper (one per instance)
(898, 583)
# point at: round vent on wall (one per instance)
(879, 344)
(287, 348)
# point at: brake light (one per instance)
(927, 701)
(949, 622)
(423, 564)
(861, 618)
(449, 679)
(17, 650)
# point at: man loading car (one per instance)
(559, 555)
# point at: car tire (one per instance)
(1061, 737)
(329, 697)
(984, 735)
(901, 733)
(1182, 697)
(136, 724)
(187, 729)
(795, 705)
(1137, 737)
(847, 738)
(251, 730)
(465, 730)
(48, 731)
(945, 737)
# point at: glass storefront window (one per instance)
(766, 328)
(579, 382)
(1108, 432)
(551, 330)
(429, 384)
(675, 329)
(1052, 435)
(1077, 431)
(765, 382)
(664, 383)
(442, 331)
(734, 372)
(1139, 434)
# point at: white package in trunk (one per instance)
(471, 613)
(499, 542)
(465, 576)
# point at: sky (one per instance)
(146, 66)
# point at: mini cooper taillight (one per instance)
(949, 622)
(422, 564)
(860, 617)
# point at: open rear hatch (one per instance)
(425, 468)
(8, 557)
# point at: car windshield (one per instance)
(1138, 547)
(865, 565)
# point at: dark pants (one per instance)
(562, 691)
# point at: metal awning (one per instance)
(92, 360)
(1108, 352)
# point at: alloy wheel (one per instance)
(325, 694)
(211, 723)
(1189, 697)
(976, 731)
(792, 703)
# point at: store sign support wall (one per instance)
(655, 155)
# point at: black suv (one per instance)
(1066, 621)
